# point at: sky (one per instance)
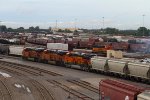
(121, 14)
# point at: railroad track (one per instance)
(29, 69)
(85, 85)
(74, 92)
(5, 92)
(10, 70)
(10, 56)
(6, 95)
(20, 69)
(45, 94)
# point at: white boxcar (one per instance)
(98, 63)
(117, 66)
(16, 50)
(144, 96)
(139, 70)
(59, 46)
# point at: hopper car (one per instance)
(121, 68)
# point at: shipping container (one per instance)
(116, 90)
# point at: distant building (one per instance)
(71, 29)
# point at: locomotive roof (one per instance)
(29, 48)
(39, 49)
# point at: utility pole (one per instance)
(143, 23)
(75, 24)
(56, 25)
(103, 23)
(0, 26)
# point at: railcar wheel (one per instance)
(25, 58)
(85, 68)
(57, 63)
(45, 61)
(35, 59)
(67, 65)
(40, 61)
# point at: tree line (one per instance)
(141, 31)
(31, 29)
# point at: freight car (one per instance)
(122, 68)
(16, 50)
(116, 90)
(90, 62)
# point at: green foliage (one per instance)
(65, 31)
(3, 28)
(9, 30)
(111, 31)
(21, 29)
(37, 28)
(142, 31)
(31, 29)
(60, 30)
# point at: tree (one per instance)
(60, 30)
(10, 29)
(3, 28)
(37, 28)
(20, 29)
(111, 31)
(142, 31)
(67, 31)
(31, 29)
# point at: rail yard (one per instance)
(67, 70)
(38, 81)
(74, 50)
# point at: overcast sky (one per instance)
(122, 14)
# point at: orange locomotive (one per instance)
(26, 52)
(59, 57)
(102, 49)
(53, 56)
(80, 59)
(32, 53)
